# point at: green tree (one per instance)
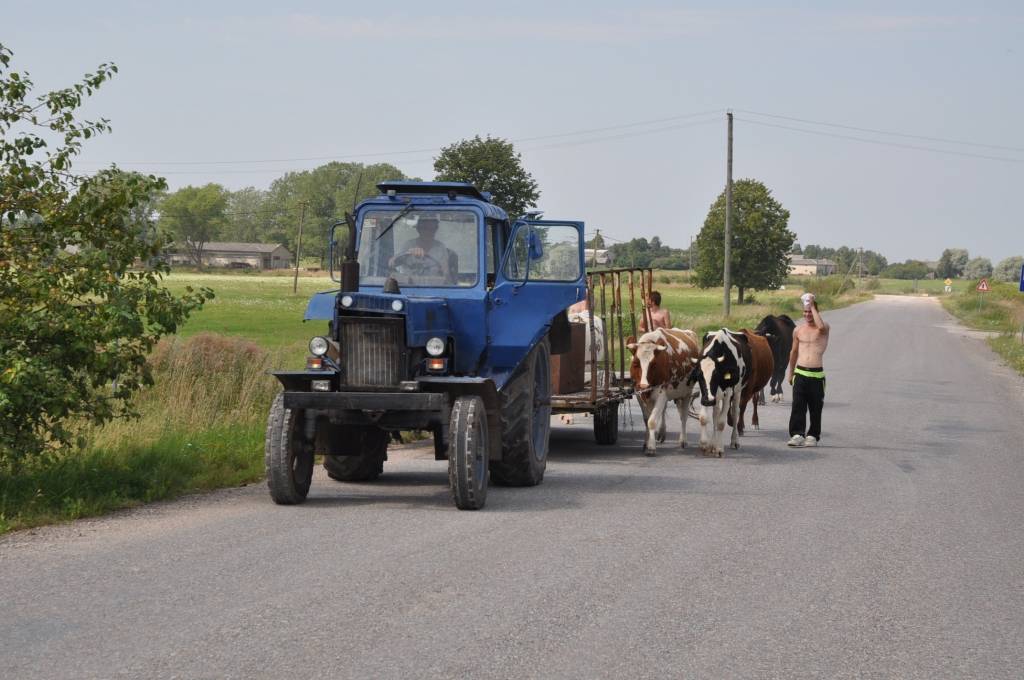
(952, 262)
(195, 215)
(247, 216)
(76, 319)
(493, 165)
(328, 192)
(1009, 269)
(761, 240)
(911, 269)
(978, 268)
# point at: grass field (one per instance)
(202, 424)
(1001, 310)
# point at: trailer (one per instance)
(607, 360)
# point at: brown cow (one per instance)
(759, 372)
(662, 361)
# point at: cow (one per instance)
(778, 330)
(720, 371)
(759, 372)
(660, 369)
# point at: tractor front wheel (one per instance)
(468, 453)
(287, 454)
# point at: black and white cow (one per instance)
(721, 373)
(778, 331)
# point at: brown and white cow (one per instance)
(720, 373)
(662, 361)
(759, 372)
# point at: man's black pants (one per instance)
(808, 396)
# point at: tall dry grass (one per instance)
(200, 426)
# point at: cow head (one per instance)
(718, 367)
(650, 362)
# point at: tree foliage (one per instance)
(489, 164)
(639, 252)
(951, 264)
(195, 216)
(76, 320)
(911, 269)
(1009, 269)
(978, 268)
(761, 240)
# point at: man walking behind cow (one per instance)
(807, 375)
(660, 318)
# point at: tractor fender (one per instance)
(458, 386)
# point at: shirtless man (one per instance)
(660, 318)
(807, 375)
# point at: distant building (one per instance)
(238, 255)
(594, 256)
(802, 266)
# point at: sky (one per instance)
(884, 125)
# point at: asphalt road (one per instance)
(895, 549)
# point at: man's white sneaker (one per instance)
(811, 441)
(796, 440)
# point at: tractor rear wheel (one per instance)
(468, 453)
(287, 454)
(369, 447)
(606, 424)
(525, 421)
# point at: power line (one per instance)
(545, 147)
(425, 150)
(879, 142)
(884, 132)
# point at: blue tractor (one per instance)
(445, 320)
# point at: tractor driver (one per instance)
(432, 257)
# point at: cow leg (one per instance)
(735, 443)
(707, 416)
(683, 406)
(753, 419)
(719, 425)
(738, 423)
(656, 421)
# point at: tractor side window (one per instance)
(559, 260)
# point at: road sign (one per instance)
(983, 286)
(1022, 278)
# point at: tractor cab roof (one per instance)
(437, 193)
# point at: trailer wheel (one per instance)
(606, 424)
(526, 421)
(468, 453)
(287, 455)
(371, 447)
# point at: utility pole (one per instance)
(860, 263)
(298, 250)
(727, 274)
(691, 254)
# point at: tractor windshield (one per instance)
(424, 247)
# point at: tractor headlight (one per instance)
(435, 347)
(346, 300)
(318, 346)
(397, 305)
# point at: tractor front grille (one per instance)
(373, 352)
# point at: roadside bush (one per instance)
(872, 284)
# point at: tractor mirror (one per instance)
(536, 246)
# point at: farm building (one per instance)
(239, 255)
(802, 266)
(594, 256)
